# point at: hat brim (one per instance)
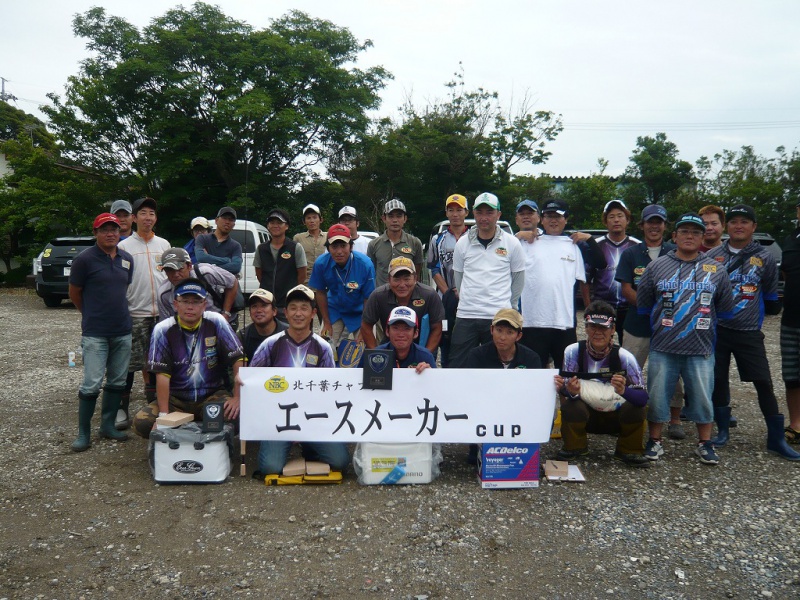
(338, 238)
(513, 326)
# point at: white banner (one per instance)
(438, 405)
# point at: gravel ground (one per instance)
(95, 525)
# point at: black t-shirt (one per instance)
(790, 266)
(486, 357)
(251, 339)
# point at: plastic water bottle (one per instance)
(71, 358)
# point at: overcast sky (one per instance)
(713, 75)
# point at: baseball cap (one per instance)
(277, 213)
(338, 232)
(226, 210)
(510, 316)
(190, 287)
(144, 203)
(654, 211)
(604, 317)
(175, 258)
(402, 314)
(401, 263)
(456, 199)
(348, 210)
(614, 204)
(120, 205)
(529, 203)
(691, 218)
(201, 221)
(302, 291)
(741, 210)
(261, 294)
(312, 208)
(486, 199)
(394, 204)
(104, 218)
(557, 206)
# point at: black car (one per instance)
(52, 267)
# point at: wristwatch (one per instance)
(227, 313)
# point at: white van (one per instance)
(249, 234)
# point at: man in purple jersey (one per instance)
(190, 354)
(754, 278)
(684, 293)
(297, 347)
(616, 218)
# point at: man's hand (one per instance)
(572, 385)
(326, 330)
(231, 410)
(528, 236)
(580, 236)
(618, 381)
(421, 367)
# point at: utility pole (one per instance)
(3, 96)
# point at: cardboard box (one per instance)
(394, 463)
(314, 467)
(504, 466)
(295, 466)
(174, 419)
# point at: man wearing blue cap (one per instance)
(190, 354)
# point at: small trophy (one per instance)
(213, 417)
(378, 367)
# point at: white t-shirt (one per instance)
(552, 265)
(360, 244)
(486, 284)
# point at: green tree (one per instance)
(198, 109)
(656, 172)
(586, 197)
(17, 124)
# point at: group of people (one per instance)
(499, 300)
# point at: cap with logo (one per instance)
(300, 292)
(612, 204)
(457, 199)
(118, 205)
(338, 232)
(226, 210)
(401, 263)
(311, 207)
(394, 204)
(263, 295)
(191, 287)
(277, 213)
(104, 218)
(741, 210)
(556, 206)
(144, 203)
(510, 317)
(654, 211)
(348, 210)
(602, 317)
(175, 258)
(691, 218)
(486, 199)
(529, 203)
(200, 222)
(402, 314)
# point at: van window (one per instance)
(245, 238)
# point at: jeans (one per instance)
(697, 372)
(272, 455)
(107, 356)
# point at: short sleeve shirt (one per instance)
(381, 251)
(347, 287)
(630, 269)
(604, 285)
(424, 301)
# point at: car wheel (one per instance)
(51, 301)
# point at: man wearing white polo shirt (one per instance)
(489, 268)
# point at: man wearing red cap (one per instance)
(342, 281)
(98, 286)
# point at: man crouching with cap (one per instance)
(190, 354)
(612, 401)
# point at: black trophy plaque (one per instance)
(378, 367)
(213, 417)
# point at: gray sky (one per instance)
(713, 75)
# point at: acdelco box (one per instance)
(396, 463)
(186, 454)
(509, 466)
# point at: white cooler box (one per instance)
(185, 454)
(396, 463)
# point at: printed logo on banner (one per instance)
(378, 362)
(187, 467)
(276, 384)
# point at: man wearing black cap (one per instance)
(754, 279)
(685, 293)
(280, 263)
(790, 330)
(602, 391)
(219, 248)
(312, 240)
(393, 242)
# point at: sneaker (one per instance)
(653, 450)
(122, 421)
(632, 460)
(564, 454)
(675, 431)
(707, 453)
(792, 436)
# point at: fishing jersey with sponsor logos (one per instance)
(604, 283)
(280, 350)
(197, 358)
(754, 279)
(684, 299)
(440, 255)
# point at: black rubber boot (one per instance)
(112, 397)
(776, 441)
(722, 415)
(86, 406)
(123, 420)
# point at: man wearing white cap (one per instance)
(393, 242)
(199, 226)
(489, 268)
(401, 331)
(349, 217)
(313, 240)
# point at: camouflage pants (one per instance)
(145, 419)
(140, 342)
